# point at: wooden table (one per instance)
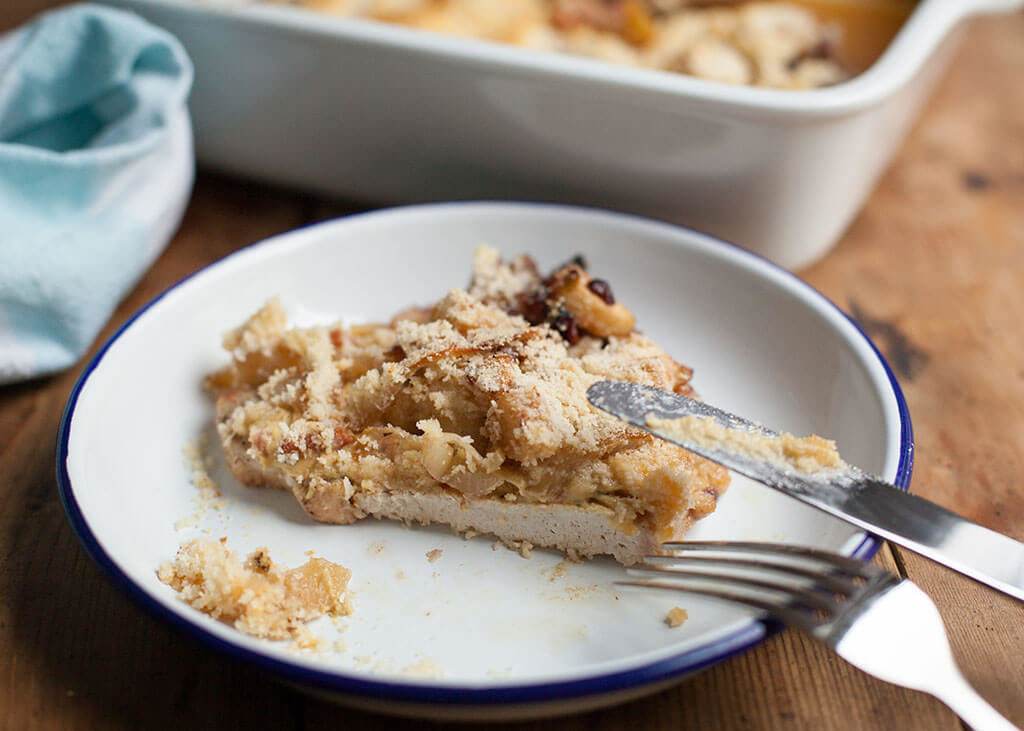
(933, 269)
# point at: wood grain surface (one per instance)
(932, 269)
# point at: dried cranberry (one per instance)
(396, 353)
(602, 289)
(565, 325)
(533, 307)
(342, 438)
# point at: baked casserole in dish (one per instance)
(385, 113)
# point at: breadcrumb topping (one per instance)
(482, 396)
(257, 597)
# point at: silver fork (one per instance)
(883, 625)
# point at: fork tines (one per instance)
(801, 586)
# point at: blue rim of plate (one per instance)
(654, 673)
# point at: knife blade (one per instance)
(849, 494)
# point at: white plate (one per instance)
(480, 632)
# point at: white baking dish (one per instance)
(385, 114)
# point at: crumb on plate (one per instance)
(676, 617)
(257, 597)
(424, 668)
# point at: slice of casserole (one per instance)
(471, 413)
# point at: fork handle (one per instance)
(965, 702)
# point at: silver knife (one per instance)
(850, 494)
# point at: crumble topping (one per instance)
(482, 397)
(256, 596)
(807, 454)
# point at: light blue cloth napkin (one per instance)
(96, 166)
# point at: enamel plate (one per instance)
(481, 631)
